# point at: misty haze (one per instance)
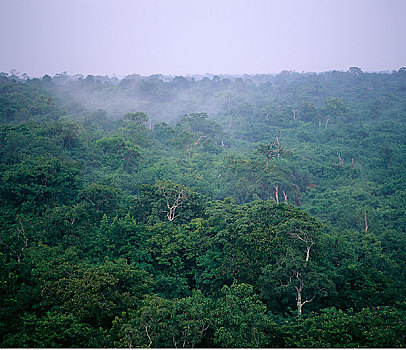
(209, 174)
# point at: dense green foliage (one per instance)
(261, 211)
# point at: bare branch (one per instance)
(309, 301)
(173, 203)
(149, 338)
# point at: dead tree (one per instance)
(174, 197)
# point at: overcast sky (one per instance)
(198, 36)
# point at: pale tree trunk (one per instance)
(299, 298)
(366, 221)
(301, 303)
(309, 246)
(340, 159)
(173, 204)
(24, 238)
(190, 147)
(276, 195)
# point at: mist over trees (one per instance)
(203, 211)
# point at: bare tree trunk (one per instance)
(299, 300)
(285, 196)
(308, 252)
(24, 239)
(326, 123)
(340, 159)
(173, 203)
(366, 221)
(276, 195)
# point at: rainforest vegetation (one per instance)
(203, 211)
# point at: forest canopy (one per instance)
(203, 211)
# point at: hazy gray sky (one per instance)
(198, 36)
